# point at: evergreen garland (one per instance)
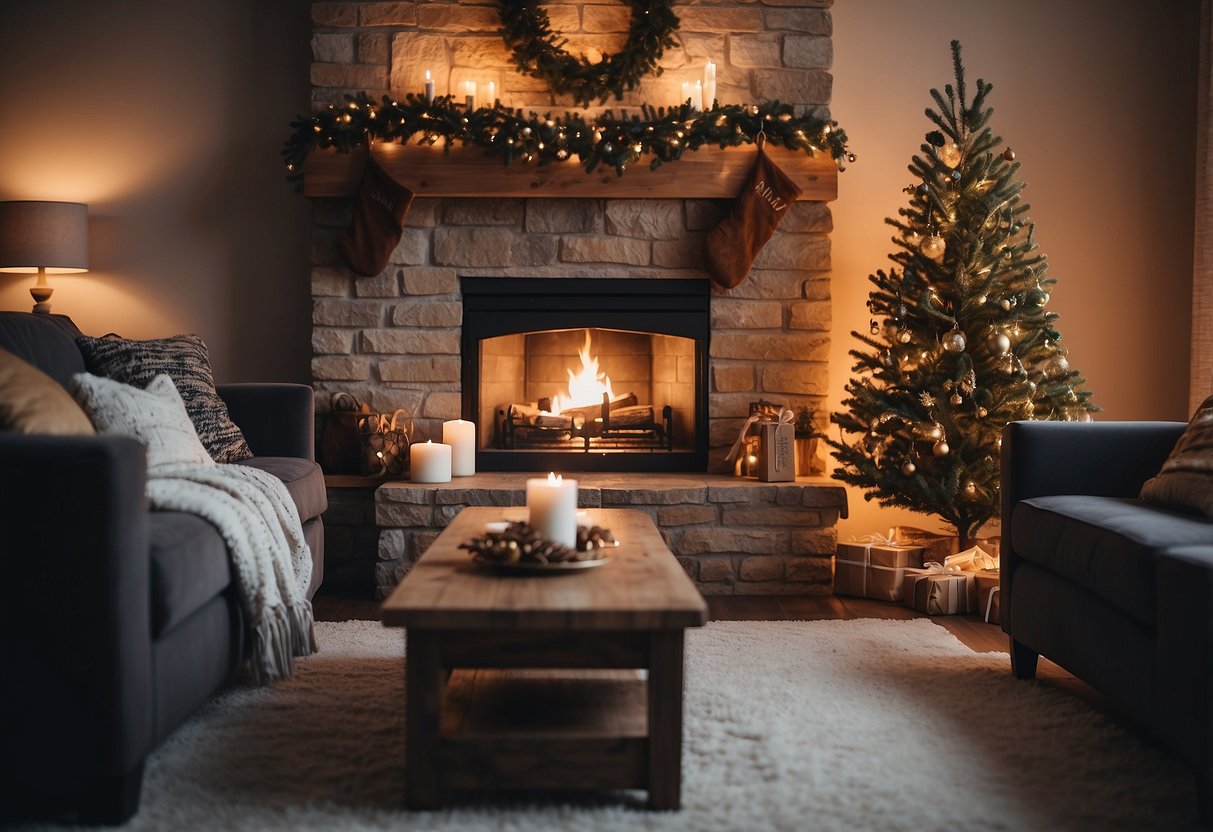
(662, 133)
(538, 51)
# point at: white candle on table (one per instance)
(460, 434)
(430, 462)
(552, 505)
(469, 88)
(697, 96)
(429, 88)
(709, 85)
(496, 526)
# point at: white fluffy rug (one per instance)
(824, 725)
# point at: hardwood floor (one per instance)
(969, 629)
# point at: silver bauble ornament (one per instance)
(940, 448)
(981, 301)
(1043, 299)
(1000, 344)
(526, 131)
(1057, 366)
(954, 341)
(908, 468)
(1005, 303)
(933, 246)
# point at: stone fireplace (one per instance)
(399, 339)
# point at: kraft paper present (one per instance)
(938, 593)
(776, 452)
(974, 559)
(873, 570)
(936, 547)
(987, 582)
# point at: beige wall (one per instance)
(1097, 98)
(166, 118)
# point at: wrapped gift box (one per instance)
(938, 593)
(936, 547)
(776, 452)
(873, 570)
(988, 597)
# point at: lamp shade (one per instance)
(47, 235)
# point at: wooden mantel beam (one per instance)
(709, 173)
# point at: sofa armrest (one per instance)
(75, 623)
(1183, 686)
(276, 419)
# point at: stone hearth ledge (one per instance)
(732, 535)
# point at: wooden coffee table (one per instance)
(484, 709)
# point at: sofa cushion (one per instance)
(33, 402)
(189, 566)
(1106, 544)
(185, 360)
(1186, 478)
(304, 480)
(46, 341)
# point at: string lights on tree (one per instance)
(961, 340)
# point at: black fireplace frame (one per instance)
(494, 306)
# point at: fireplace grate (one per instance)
(626, 428)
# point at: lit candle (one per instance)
(469, 87)
(461, 436)
(430, 462)
(709, 85)
(552, 505)
(697, 96)
(496, 526)
(492, 93)
(686, 92)
(429, 88)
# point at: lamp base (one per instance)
(42, 299)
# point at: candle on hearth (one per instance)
(552, 505)
(429, 88)
(469, 88)
(492, 93)
(697, 95)
(460, 434)
(709, 85)
(430, 462)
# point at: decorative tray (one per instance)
(527, 567)
(518, 548)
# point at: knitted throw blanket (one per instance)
(270, 560)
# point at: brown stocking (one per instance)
(379, 212)
(733, 245)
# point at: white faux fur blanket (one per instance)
(270, 559)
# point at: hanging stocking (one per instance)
(378, 223)
(733, 245)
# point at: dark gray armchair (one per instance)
(117, 622)
(1117, 591)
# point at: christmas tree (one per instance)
(961, 339)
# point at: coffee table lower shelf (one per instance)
(523, 730)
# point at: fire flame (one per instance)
(585, 386)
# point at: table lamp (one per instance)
(43, 237)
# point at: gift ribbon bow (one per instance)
(889, 539)
(786, 416)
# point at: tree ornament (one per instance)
(956, 399)
(1006, 304)
(1000, 344)
(982, 412)
(887, 359)
(1042, 299)
(954, 341)
(970, 489)
(526, 131)
(933, 246)
(1008, 155)
(940, 448)
(949, 154)
(1057, 366)
(904, 336)
(753, 109)
(956, 176)
(874, 326)
(908, 468)
(537, 51)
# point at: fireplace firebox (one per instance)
(594, 374)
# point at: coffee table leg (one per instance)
(424, 681)
(665, 719)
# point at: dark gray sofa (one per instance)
(117, 622)
(1117, 591)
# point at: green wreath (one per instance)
(539, 52)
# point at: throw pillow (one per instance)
(155, 416)
(1186, 478)
(185, 360)
(33, 402)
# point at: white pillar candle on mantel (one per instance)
(460, 434)
(552, 505)
(686, 92)
(697, 95)
(492, 93)
(429, 88)
(430, 462)
(709, 85)
(469, 88)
